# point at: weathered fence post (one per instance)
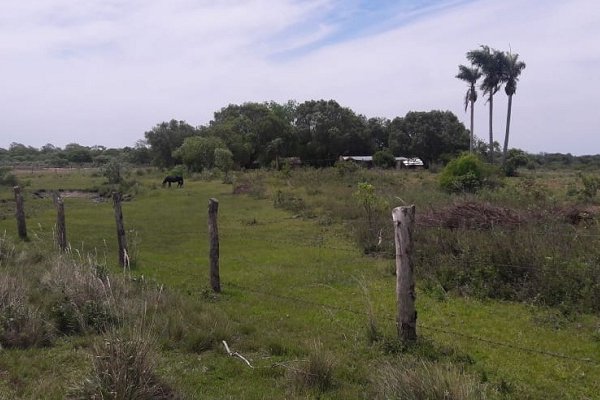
(61, 230)
(213, 233)
(404, 218)
(123, 255)
(20, 213)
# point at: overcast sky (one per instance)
(105, 71)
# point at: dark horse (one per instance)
(172, 179)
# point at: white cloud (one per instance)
(103, 72)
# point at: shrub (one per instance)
(344, 168)
(6, 178)
(113, 172)
(466, 173)
(591, 184)
(384, 159)
(288, 201)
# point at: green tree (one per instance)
(77, 153)
(224, 161)
(511, 71)
(470, 75)
(326, 130)
(254, 132)
(433, 135)
(491, 62)
(398, 140)
(198, 152)
(165, 138)
(378, 131)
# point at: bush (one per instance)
(466, 173)
(384, 159)
(113, 172)
(344, 168)
(6, 178)
(289, 202)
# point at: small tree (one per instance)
(384, 159)
(113, 172)
(198, 152)
(224, 161)
(6, 178)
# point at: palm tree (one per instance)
(490, 61)
(512, 68)
(470, 75)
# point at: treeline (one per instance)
(72, 154)
(317, 132)
(266, 134)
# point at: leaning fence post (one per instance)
(61, 230)
(404, 218)
(123, 256)
(20, 213)
(213, 233)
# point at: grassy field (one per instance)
(301, 300)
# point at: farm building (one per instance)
(401, 162)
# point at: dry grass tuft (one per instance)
(123, 368)
(316, 373)
(21, 325)
(425, 380)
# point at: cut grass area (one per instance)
(289, 283)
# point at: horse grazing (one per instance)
(172, 179)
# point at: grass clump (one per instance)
(315, 373)
(21, 325)
(83, 297)
(123, 368)
(425, 380)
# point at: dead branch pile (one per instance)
(471, 215)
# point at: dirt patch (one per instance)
(75, 194)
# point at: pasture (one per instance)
(308, 298)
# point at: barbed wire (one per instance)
(423, 326)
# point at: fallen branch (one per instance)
(236, 354)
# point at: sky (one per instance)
(103, 72)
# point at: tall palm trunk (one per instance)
(471, 138)
(491, 129)
(505, 149)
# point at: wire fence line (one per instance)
(433, 328)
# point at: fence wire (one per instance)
(433, 328)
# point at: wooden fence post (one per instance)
(213, 233)
(20, 213)
(404, 218)
(123, 255)
(61, 230)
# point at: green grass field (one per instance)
(295, 286)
